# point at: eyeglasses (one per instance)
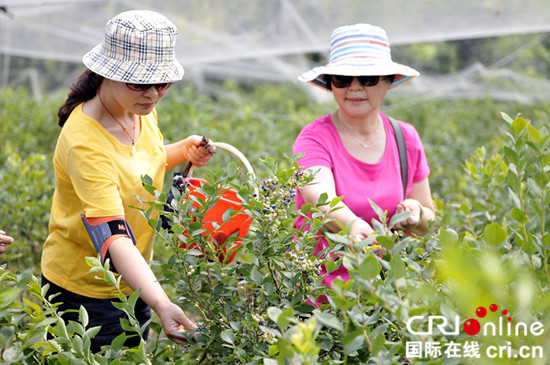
(341, 81)
(143, 87)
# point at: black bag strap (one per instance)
(402, 149)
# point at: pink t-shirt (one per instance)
(358, 181)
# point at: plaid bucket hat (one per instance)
(359, 50)
(138, 47)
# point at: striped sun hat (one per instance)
(359, 50)
(138, 47)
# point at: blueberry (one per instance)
(317, 272)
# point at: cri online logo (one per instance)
(472, 326)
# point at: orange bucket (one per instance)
(238, 224)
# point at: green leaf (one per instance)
(506, 117)
(328, 320)
(511, 155)
(274, 313)
(228, 336)
(519, 215)
(353, 341)
(335, 201)
(285, 318)
(397, 267)
(256, 276)
(448, 236)
(118, 342)
(518, 125)
(546, 241)
(541, 179)
(377, 344)
(494, 234)
(369, 268)
(330, 266)
(513, 180)
(83, 316)
(534, 133)
(379, 212)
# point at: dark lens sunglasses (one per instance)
(341, 81)
(143, 87)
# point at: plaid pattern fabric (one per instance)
(359, 50)
(138, 47)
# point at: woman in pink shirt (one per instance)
(354, 148)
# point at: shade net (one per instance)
(276, 40)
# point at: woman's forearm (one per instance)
(137, 274)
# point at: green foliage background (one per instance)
(488, 245)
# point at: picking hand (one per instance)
(173, 321)
(4, 242)
(415, 218)
(198, 150)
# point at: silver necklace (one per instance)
(364, 145)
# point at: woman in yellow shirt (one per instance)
(109, 140)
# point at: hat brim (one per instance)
(133, 72)
(403, 74)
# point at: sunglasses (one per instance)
(143, 87)
(341, 81)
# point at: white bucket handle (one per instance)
(240, 156)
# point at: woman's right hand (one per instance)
(361, 230)
(174, 321)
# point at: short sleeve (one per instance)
(416, 156)
(312, 142)
(94, 179)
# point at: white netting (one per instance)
(267, 40)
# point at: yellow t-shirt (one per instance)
(97, 176)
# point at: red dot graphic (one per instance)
(509, 319)
(493, 307)
(471, 327)
(481, 312)
(504, 312)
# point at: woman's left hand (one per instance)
(198, 150)
(415, 218)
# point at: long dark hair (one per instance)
(83, 89)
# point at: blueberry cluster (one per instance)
(259, 319)
(180, 183)
(269, 338)
(309, 267)
(277, 195)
